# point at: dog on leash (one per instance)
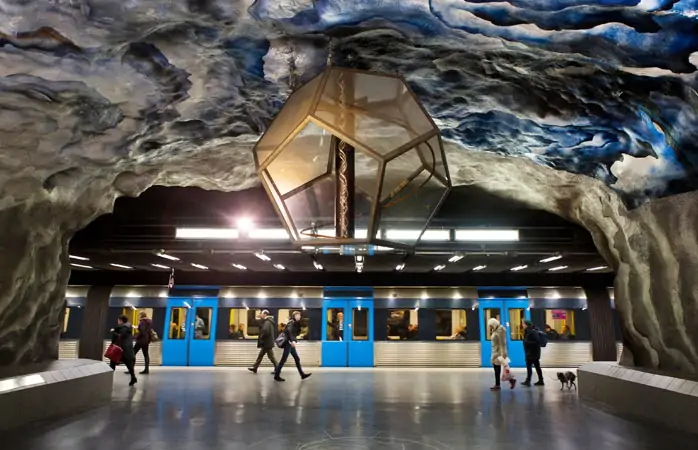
(567, 379)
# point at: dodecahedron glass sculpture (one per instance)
(393, 153)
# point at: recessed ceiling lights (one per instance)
(455, 258)
(359, 258)
(159, 266)
(400, 266)
(79, 258)
(554, 269)
(279, 266)
(166, 256)
(199, 266)
(440, 267)
(317, 265)
(120, 266)
(597, 268)
(239, 266)
(82, 266)
(245, 223)
(517, 268)
(262, 256)
(476, 268)
(206, 233)
(552, 258)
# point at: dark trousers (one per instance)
(146, 354)
(529, 369)
(289, 349)
(129, 363)
(497, 375)
(270, 354)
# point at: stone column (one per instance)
(93, 323)
(603, 342)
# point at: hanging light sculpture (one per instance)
(350, 154)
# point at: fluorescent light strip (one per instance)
(199, 266)
(554, 269)
(517, 268)
(552, 258)
(166, 256)
(207, 233)
(597, 268)
(476, 268)
(159, 266)
(440, 267)
(487, 235)
(262, 256)
(79, 258)
(413, 235)
(239, 266)
(279, 266)
(82, 266)
(399, 267)
(455, 258)
(269, 233)
(121, 266)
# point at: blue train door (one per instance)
(347, 334)
(189, 338)
(511, 314)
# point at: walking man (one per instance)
(532, 344)
(291, 331)
(265, 340)
(143, 339)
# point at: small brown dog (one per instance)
(567, 379)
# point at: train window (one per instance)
(559, 324)
(451, 324)
(202, 323)
(516, 318)
(178, 323)
(285, 316)
(402, 324)
(243, 323)
(335, 324)
(359, 324)
(491, 313)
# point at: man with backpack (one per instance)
(533, 340)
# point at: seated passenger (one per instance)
(552, 334)
(566, 334)
(241, 331)
(412, 332)
(233, 333)
(461, 334)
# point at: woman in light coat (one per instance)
(499, 350)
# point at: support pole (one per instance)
(344, 200)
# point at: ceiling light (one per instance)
(82, 266)
(440, 267)
(159, 266)
(199, 266)
(517, 268)
(597, 268)
(552, 258)
(557, 268)
(317, 265)
(487, 235)
(207, 233)
(121, 266)
(166, 256)
(279, 266)
(268, 233)
(262, 256)
(428, 235)
(399, 267)
(455, 258)
(476, 268)
(245, 223)
(239, 266)
(79, 258)
(359, 269)
(359, 258)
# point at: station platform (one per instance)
(408, 409)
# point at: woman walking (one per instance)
(500, 354)
(122, 335)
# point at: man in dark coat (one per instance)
(265, 340)
(291, 332)
(531, 343)
(122, 335)
(143, 339)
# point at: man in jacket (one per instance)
(265, 340)
(531, 343)
(143, 339)
(291, 332)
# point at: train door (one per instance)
(189, 339)
(347, 334)
(511, 314)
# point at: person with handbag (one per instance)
(287, 341)
(500, 355)
(143, 339)
(122, 337)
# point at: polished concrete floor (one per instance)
(195, 409)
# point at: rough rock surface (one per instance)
(101, 98)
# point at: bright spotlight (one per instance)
(245, 224)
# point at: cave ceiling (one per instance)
(603, 88)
